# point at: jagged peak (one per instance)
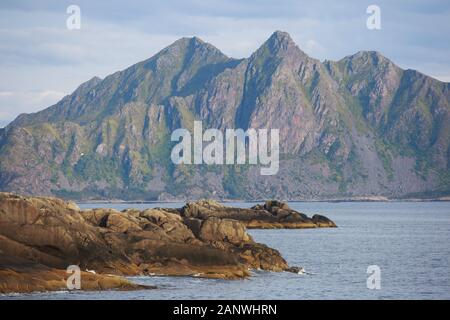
(281, 36)
(374, 57)
(280, 41)
(192, 43)
(365, 60)
(96, 79)
(89, 84)
(372, 53)
(92, 81)
(185, 41)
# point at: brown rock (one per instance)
(272, 214)
(21, 275)
(202, 239)
(225, 230)
(122, 222)
(322, 221)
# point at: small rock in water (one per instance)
(298, 270)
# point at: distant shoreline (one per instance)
(118, 201)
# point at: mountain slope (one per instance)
(360, 126)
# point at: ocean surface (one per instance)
(408, 241)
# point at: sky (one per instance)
(41, 60)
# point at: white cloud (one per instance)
(38, 54)
(13, 103)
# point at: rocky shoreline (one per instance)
(40, 237)
(252, 200)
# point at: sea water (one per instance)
(408, 241)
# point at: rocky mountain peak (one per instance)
(357, 126)
(369, 54)
(192, 46)
(364, 60)
(280, 42)
(281, 36)
(88, 85)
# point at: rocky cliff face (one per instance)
(360, 126)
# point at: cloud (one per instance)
(38, 54)
(16, 102)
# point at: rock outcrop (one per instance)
(271, 215)
(40, 237)
(22, 275)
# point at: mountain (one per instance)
(357, 127)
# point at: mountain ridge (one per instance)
(359, 126)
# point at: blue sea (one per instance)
(408, 241)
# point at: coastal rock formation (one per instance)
(40, 237)
(21, 275)
(271, 215)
